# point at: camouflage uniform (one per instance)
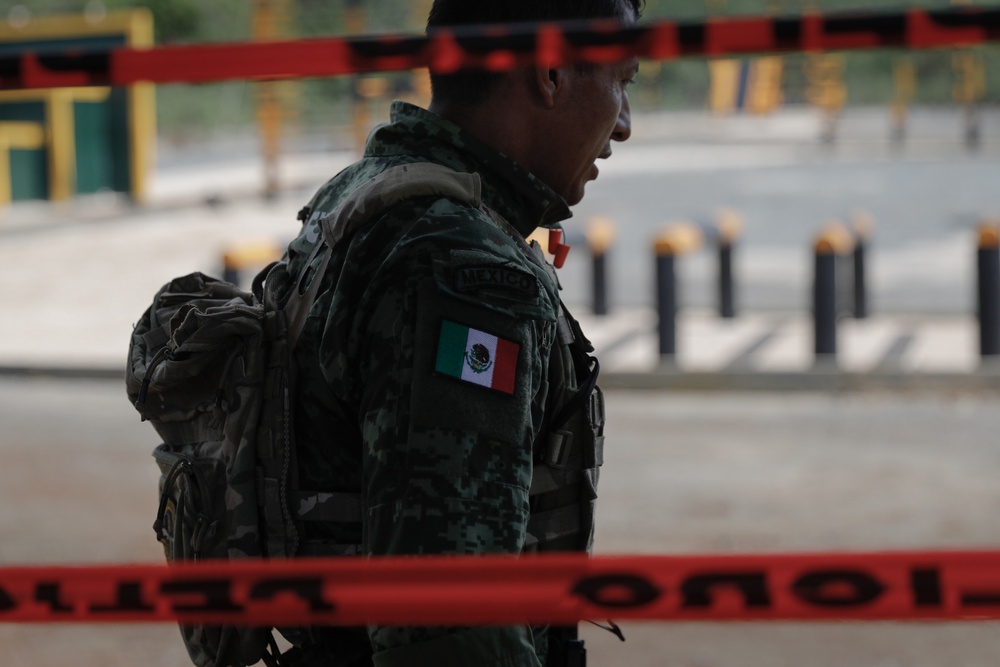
(443, 465)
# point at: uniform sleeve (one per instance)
(452, 352)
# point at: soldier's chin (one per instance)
(576, 196)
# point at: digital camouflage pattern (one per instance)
(395, 458)
(440, 465)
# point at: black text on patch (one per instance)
(471, 278)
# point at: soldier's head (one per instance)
(473, 86)
(554, 121)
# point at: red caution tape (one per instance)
(561, 589)
(500, 48)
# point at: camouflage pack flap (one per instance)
(178, 357)
(195, 373)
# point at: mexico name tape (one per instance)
(541, 589)
(498, 49)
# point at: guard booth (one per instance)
(60, 142)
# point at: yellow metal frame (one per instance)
(970, 73)
(137, 27)
(59, 134)
(764, 85)
(725, 78)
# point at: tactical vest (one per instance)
(569, 452)
(570, 449)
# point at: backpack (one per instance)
(210, 367)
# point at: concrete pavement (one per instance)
(685, 473)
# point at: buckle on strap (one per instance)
(594, 458)
(596, 411)
(598, 453)
(559, 447)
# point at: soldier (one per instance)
(443, 389)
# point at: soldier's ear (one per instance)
(550, 82)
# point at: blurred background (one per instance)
(326, 108)
(109, 193)
(907, 141)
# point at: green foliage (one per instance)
(190, 113)
(173, 20)
(224, 20)
(323, 17)
(42, 7)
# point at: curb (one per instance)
(818, 380)
(63, 372)
(986, 380)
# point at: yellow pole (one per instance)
(61, 140)
(420, 79)
(969, 90)
(141, 110)
(269, 24)
(826, 89)
(905, 87)
(764, 87)
(724, 78)
(354, 23)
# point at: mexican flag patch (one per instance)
(477, 357)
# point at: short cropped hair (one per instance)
(470, 87)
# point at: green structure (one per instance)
(56, 143)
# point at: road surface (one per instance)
(685, 474)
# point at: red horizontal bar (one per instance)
(502, 47)
(550, 589)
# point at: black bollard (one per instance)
(825, 302)
(863, 225)
(677, 240)
(860, 292)
(727, 297)
(989, 290)
(729, 225)
(600, 261)
(666, 301)
(831, 246)
(600, 236)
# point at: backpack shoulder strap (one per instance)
(366, 203)
(421, 179)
